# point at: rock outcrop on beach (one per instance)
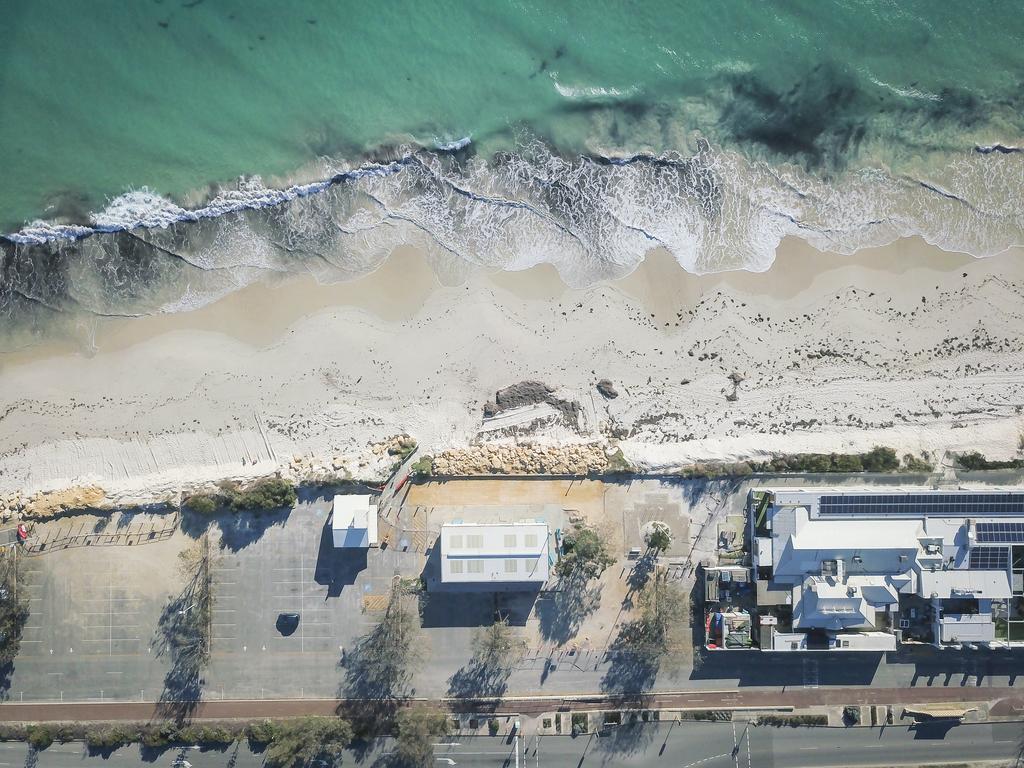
(40, 506)
(527, 393)
(526, 459)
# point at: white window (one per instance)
(510, 541)
(474, 566)
(474, 541)
(455, 566)
(531, 541)
(455, 541)
(511, 566)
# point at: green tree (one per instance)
(661, 627)
(39, 737)
(585, 553)
(417, 729)
(659, 538)
(495, 645)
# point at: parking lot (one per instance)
(263, 567)
(92, 622)
(93, 629)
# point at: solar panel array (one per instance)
(939, 504)
(989, 558)
(1000, 533)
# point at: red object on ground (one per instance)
(401, 484)
(22, 532)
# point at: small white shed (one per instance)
(354, 521)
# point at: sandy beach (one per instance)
(905, 346)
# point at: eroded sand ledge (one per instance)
(905, 346)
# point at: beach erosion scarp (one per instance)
(904, 346)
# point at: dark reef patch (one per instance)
(818, 121)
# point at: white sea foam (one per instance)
(906, 91)
(591, 218)
(591, 92)
(453, 146)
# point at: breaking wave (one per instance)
(592, 217)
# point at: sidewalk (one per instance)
(1005, 702)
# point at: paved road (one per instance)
(682, 745)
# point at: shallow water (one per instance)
(597, 131)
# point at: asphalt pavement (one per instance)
(680, 745)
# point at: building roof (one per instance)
(847, 553)
(967, 628)
(480, 553)
(354, 521)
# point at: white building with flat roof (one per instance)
(354, 521)
(943, 565)
(495, 555)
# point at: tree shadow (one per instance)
(182, 636)
(632, 737)
(478, 679)
(631, 669)
(6, 672)
(380, 666)
(562, 612)
(238, 530)
(641, 573)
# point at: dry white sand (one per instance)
(905, 346)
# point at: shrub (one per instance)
(269, 493)
(202, 503)
(108, 738)
(913, 464)
(975, 461)
(262, 733)
(579, 723)
(300, 742)
(157, 736)
(205, 734)
(617, 463)
(15, 732)
(39, 737)
(847, 462)
(792, 720)
(423, 466)
(880, 459)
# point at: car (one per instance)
(287, 623)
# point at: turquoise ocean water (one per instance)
(150, 151)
